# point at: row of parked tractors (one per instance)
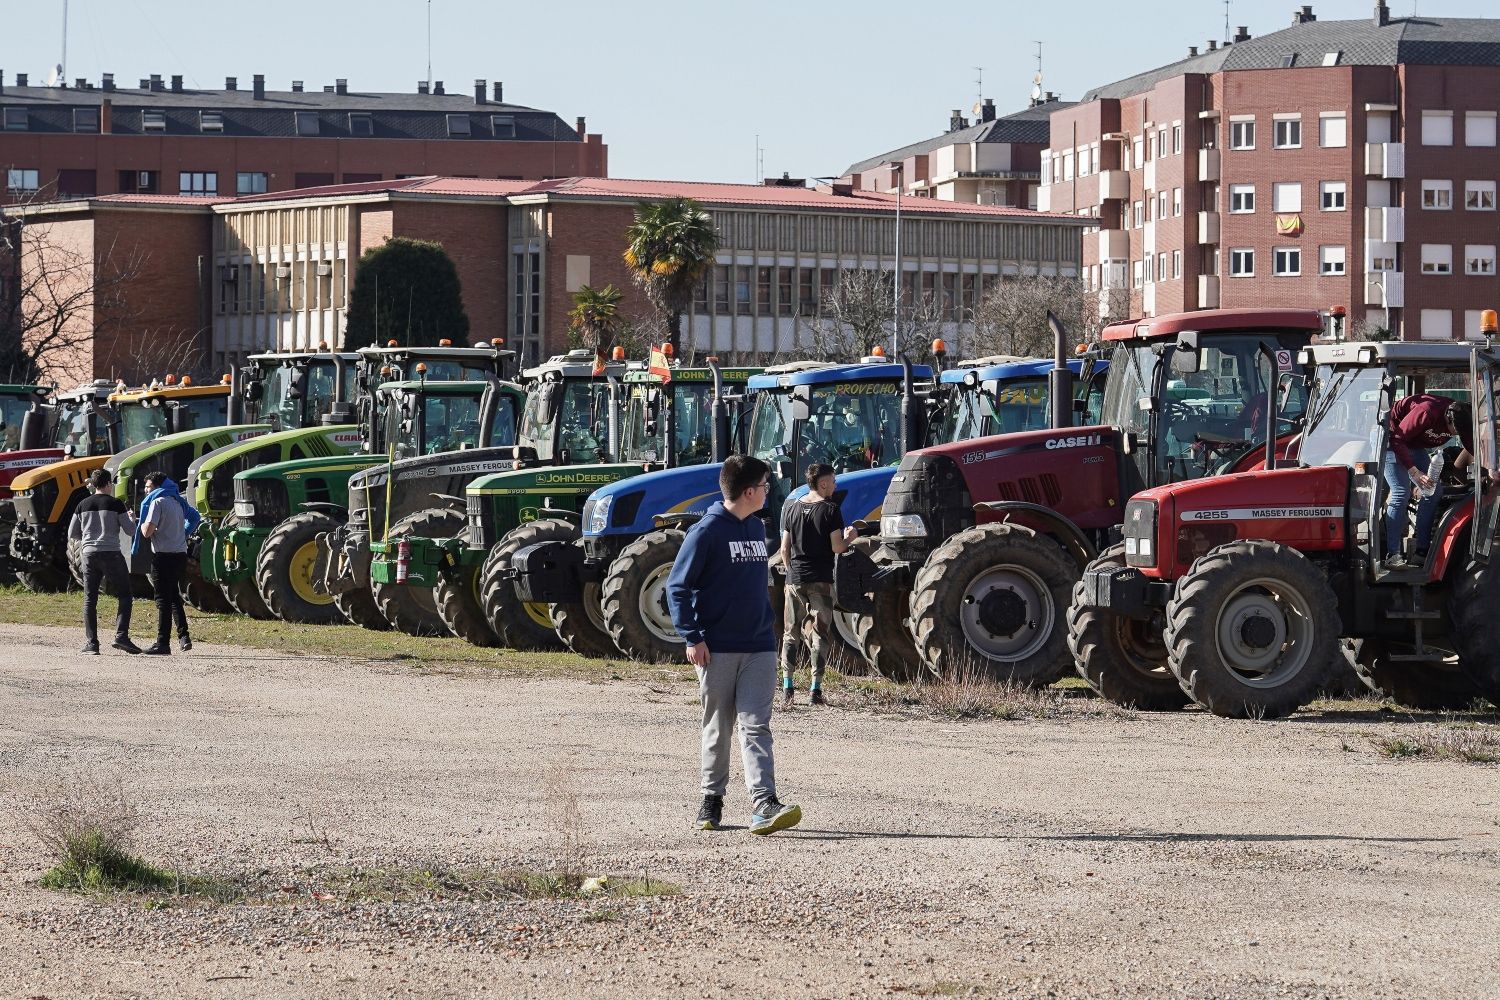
(1187, 512)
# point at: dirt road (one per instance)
(1166, 855)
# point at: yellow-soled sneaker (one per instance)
(771, 815)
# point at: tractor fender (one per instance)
(1451, 540)
(1069, 534)
(680, 519)
(571, 516)
(338, 512)
(449, 500)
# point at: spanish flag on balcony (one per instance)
(659, 365)
(1288, 225)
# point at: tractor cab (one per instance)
(296, 391)
(428, 418)
(166, 406)
(16, 401)
(570, 414)
(1004, 394)
(81, 418)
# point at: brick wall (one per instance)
(597, 232)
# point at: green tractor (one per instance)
(406, 401)
(396, 539)
(686, 419)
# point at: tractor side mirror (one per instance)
(69, 449)
(551, 398)
(298, 387)
(254, 389)
(783, 469)
(801, 409)
(1186, 359)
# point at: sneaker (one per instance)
(158, 649)
(1395, 562)
(787, 697)
(711, 813)
(185, 643)
(126, 646)
(91, 648)
(771, 816)
(816, 697)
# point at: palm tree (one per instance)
(671, 247)
(595, 317)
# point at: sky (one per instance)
(710, 90)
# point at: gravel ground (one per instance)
(1161, 856)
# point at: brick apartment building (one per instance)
(1331, 162)
(89, 140)
(274, 270)
(993, 161)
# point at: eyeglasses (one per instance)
(762, 486)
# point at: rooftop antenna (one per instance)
(1036, 81)
(1227, 35)
(429, 43)
(760, 160)
(62, 65)
(978, 90)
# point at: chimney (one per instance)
(80, 84)
(421, 86)
(1243, 35)
(1382, 14)
(327, 88)
(156, 85)
(1050, 97)
(581, 126)
(341, 87)
(231, 83)
(1303, 16)
(145, 84)
(987, 110)
(107, 81)
(499, 92)
(22, 80)
(1192, 51)
(2, 81)
(258, 85)
(1213, 45)
(956, 121)
(176, 84)
(437, 88)
(296, 86)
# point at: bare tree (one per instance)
(57, 299)
(858, 314)
(1012, 316)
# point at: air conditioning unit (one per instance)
(229, 272)
(283, 271)
(324, 270)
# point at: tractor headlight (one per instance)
(902, 526)
(1140, 533)
(245, 509)
(596, 518)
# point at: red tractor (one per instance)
(1254, 578)
(984, 540)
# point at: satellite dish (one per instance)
(1036, 93)
(54, 78)
(1037, 79)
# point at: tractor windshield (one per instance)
(450, 423)
(579, 423)
(79, 429)
(296, 396)
(692, 416)
(142, 422)
(12, 412)
(1342, 426)
(850, 426)
(199, 413)
(1003, 407)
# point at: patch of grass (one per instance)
(428, 883)
(1468, 742)
(345, 642)
(971, 696)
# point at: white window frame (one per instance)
(1333, 190)
(1286, 262)
(1439, 320)
(1286, 132)
(1242, 132)
(1479, 259)
(1286, 197)
(1332, 260)
(1242, 192)
(16, 119)
(1176, 263)
(153, 120)
(22, 180)
(1437, 258)
(1140, 214)
(245, 182)
(1479, 128)
(1327, 131)
(1479, 196)
(1437, 128)
(1176, 138)
(1242, 262)
(193, 188)
(1437, 195)
(1176, 203)
(1161, 204)
(460, 124)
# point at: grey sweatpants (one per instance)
(738, 687)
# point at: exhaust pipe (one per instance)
(719, 413)
(236, 410)
(1060, 378)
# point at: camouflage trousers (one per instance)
(809, 617)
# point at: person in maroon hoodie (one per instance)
(1418, 424)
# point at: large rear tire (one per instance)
(1428, 687)
(634, 598)
(1476, 627)
(52, 579)
(885, 640)
(284, 572)
(992, 599)
(1253, 630)
(520, 625)
(359, 607)
(458, 601)
(140, 583)
(581, 625)
(243, 594)
(411, 609)
(1123, 659)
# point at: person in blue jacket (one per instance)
(721, 606)
(168, 521)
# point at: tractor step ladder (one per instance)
(1417, 616)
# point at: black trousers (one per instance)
(100, 568)
(167, 569)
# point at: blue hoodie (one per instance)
(189, 512)
(718, 587)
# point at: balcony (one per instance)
(1114, 185)
(1114, 244)
(1386, 289)
(1208, 227)
(1385, 225)
(1208, 291)
(1148, 182)
(1208, 164)
(1385, 159)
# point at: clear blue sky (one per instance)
(680, 89)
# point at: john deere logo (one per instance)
(528, 514)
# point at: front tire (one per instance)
(408, 608)
(1122, 659)
(1427, 687)
(992, 599)
(243, 594)
(634, 598)
(284, 572)
(520, 625)
(1253, 630)
(884, 638)
(1477, 630)
(457, 597)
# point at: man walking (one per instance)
(97, 524)
(718, 594)
(166, 521)
(812, 533)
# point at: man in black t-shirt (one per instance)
(812, 533)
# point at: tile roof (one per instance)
(1434, 41)
(1031, 125)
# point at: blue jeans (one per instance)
(1399, 482)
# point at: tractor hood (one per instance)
(636, 501)
(470, 464)
(563, 479)
(860, 495)
(70, 471)
(14, 464)
(205, 439)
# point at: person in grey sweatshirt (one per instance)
(97, 524)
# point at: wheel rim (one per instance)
(594, 608)
(652, 603)
(540, 614)
(1264, 633)
(1141, 649)
(1007, 613)
(301, 570)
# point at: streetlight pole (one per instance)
(897, 175)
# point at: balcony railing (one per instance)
(1208, 291)
(1385, 159)
(1208, 164)
(1208, 227)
